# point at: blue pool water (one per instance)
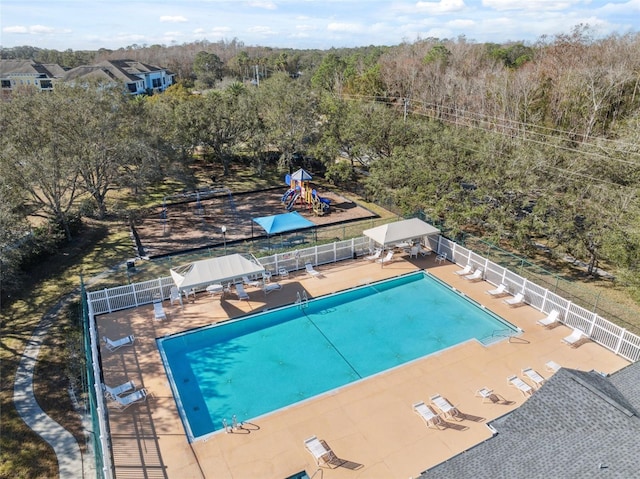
(267, 361)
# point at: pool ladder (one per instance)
(234, 425)
(302, 300)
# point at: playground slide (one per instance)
(292, 202)
(286, 196)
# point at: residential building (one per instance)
(15, 74)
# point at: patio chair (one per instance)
(174, 295)
(575, 338)
(552, 366)
(309, 268)
(282, 272)
(158, 311)
(123, 402)
(517, 300)
(271, 287)
(252, 283)
(441, 258)
(534, 376)
(427, 414)
(112, 393)
(386, 259)
(118, 343)
(242, 294)
(501, 290)
(464, 271)
(413, 252)
(475, 276)
(523, 387)
(447, 409)
(321, 452)
(550, 320)
(486, 394)
(374, 256)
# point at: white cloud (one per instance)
(441, 6)
(265, 5)
(261, 30)
(461, 24)
(535, 5)
(41, 29)
(15, 29)
(173, 19)
(304, 28)
(34, 30)
(345, 27)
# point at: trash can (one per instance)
(131, 264)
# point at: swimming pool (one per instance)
(264, 362)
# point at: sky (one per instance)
(301, 24)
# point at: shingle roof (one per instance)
(579, 424)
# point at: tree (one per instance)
(208, 69)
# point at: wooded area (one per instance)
(529, 146)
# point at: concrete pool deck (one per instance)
(370, 424)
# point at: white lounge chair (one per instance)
(123, 402)
(447, 409)
(252, 283)
(174, 295)
(523, 387)
(309, 268)
(575, 338)
(501, 290)
(486, 394)
(158, 311)
(271, 287)
(427, 414)
(424, 251)
(552, 318)
(321, 452)
(464, 271)
(552, 366)
(242, 294)
(534, 376)
(374, 256)
(475, 276)
(517, 300)
(283, 272)
(386, 259)
(112, 393)
(118, 343)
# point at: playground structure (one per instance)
(302, 192)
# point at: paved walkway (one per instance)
(62, 441)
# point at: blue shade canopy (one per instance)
(282, 223)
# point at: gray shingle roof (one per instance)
(579, 424)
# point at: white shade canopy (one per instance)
(393, 233)
(200, 274)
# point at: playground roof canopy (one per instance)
(283, 222)
(214, 270)
(400, 231)
(301, 175)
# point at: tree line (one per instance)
(527, 145)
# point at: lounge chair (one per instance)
(271, 287)
(551, 319)
(374, 256)
(427, 414)
(112, 393)
(552, 366)
(174, 295)
(321, 452)
(123, 402)
(252, 283)
(282, 272)
(575, 338)
(534, 376)
(447, 409)
(501, 290)
(517, 300)
(242, 294)
(118, 343)
(424, 251)
(486, 394)
(386, 259)
(523, 387)
(475, 276)
(464, 271)
(158, 311)
(309, 268)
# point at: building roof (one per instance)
(578, 424)
(29, 67)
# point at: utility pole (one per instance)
(406, 104)
(257, 75)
